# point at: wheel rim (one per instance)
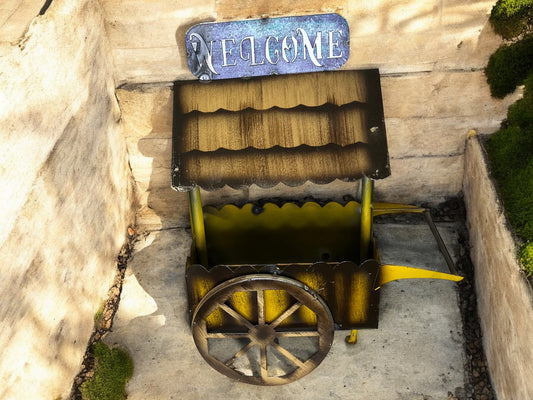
(263, 350)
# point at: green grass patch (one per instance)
(510, 17)
(113, 369)
(99, 315)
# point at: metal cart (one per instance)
(269, 282)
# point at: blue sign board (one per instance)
(259, 47)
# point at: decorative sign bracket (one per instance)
(269, 46)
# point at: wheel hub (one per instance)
(262, 334)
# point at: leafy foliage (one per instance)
(113, 368)
(509, 66)
(511, 158)
(511, 148)
(526, 257)
(510, 17)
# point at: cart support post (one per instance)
(352, 338)
(366, 217)
(197, 225)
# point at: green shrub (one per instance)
(113, 368)
(511, 148)
(520, 114)
(509, 66)
(510, 17)
(511, 158)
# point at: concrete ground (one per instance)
(417, 353)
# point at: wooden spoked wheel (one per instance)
(279, 330)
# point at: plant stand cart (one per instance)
(269, 282)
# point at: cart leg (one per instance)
(352, 338)
(197, 225)
(366, 218)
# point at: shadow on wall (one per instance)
(59, 257)
(147, 118)
(148, 115)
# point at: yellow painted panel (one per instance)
(307, 316)
(199, 290)
(276, 302)
(243, 302)
(317, 282)
(360, 293)
(215, 319)
(289, 234)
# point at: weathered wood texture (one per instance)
(288, 129)
(313, 90)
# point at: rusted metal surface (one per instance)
(258, 306)
(311, 127)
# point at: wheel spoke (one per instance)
(260, 307)
(240, 353)
(264, 367)
(298, 334)
(229, 335)
(288, 355)
(236, 315)
(286, 314)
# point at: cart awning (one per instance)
(292, 128)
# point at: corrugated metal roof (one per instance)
(290, 129)
(313, 126)
(283, 91)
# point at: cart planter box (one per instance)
(268, 284)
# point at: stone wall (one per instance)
(505, 298)
(65, 196)
(431, 55)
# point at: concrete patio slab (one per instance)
(417, 353)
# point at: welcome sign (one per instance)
(259, 47)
